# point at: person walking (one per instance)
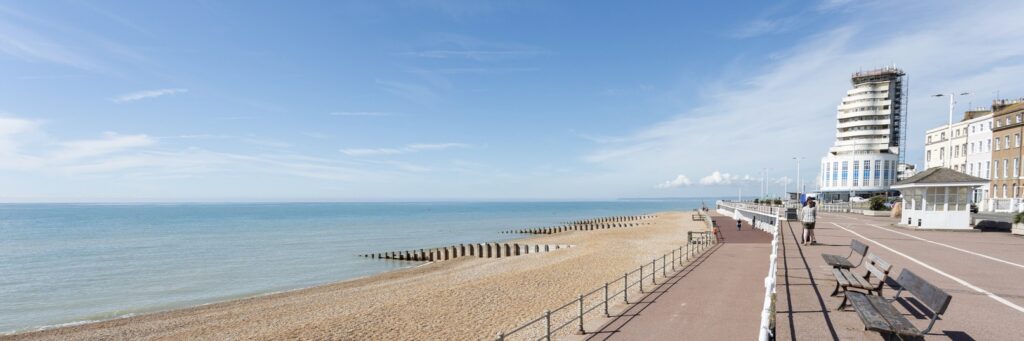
(739, 224)
(808, 216)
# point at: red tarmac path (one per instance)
(716, 297)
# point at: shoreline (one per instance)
(359, 302)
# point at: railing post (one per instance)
(663, 273)
(641, 278)
(654, 271)
(547, 319)
(581, 314)
(625, 288)
(673, 260)
(606, 300)
(501, 336)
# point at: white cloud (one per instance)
(410, 148)
(719, 178)
(766, 26)
(140, 95)
(787, 107)
(680, 181)
(785, 180)
(110, 143)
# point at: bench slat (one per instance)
(858, 247)
(879, 274)
(872, 319)
(936, 299)
(857, 281)
(900, 325)
(837, 261)
(840, 277)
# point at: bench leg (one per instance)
(836, 290)
(843, 304)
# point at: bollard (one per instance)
(501, 336)
(606, 300)
(581, 315)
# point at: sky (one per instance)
(125, 101)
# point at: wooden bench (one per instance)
(879, 315)
(697, 217)
(837, 261)
(846, 279)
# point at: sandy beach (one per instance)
(462, 299)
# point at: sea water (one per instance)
(72, 263)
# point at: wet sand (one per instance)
(462, 299)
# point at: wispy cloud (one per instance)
(141, 95)
(410, 148)
(411, 91)
(795, 86)
(110, 143)
(766, 26)
(448, 46)
(359, 113)
(680, 181)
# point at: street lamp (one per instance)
(949, 127)
(798, 183)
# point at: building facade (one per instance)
(979, 149)
(946, 146)
(1007, 129)
(869, 131)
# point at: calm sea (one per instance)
(69, 263)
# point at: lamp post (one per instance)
(798, 183)
(949, 128)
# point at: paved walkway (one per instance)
(717, 297)
(983, 271)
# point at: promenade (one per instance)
(983, 271)
(716, 297)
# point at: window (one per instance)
(1006, 141)
(942, 136)
(970, 168)
(1007, 121)
(1016, 138)
(867, 173)
(988, 166)
(929, 139)
(1006, 170)
(878, 172)
(956, 151)
(942, 153)
(856, 172)
(846, 171)
(1018, 118)
(988, 145)
(928, 156)
(1016, 169)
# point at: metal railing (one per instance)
(554, 321)
(770, 225)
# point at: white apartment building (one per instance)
(946, 146)
(869, 128)
(979, 148)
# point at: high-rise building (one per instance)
(870, 123)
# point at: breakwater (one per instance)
(590, 224)
(482, 250)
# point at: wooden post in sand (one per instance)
(515, 247)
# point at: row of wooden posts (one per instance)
(589, 225)
(483, 250)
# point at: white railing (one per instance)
(769, 222)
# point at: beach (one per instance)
(466, 298)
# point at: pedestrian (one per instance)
(753, 222)
(808, 216)
(739, 223)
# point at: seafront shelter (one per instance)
(938, 198)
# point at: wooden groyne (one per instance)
(590, 224)
(482, 250)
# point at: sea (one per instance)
(64, 264)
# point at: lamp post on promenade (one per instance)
(798, 183)
(949, 128)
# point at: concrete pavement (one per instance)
(983, 271)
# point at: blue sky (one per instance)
(461, 100)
